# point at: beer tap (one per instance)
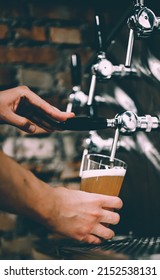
(127, 122)
(141, 24)
(143, 21)
(77, 97)
(103, 70)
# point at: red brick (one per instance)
(35, 55)
(22, 33)
(36, 33)
(65, 35)
(3, 31)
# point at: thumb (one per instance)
(22, 123)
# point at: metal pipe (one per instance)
(92, 90)
(114, 147)
(129, 48)
(139, 2)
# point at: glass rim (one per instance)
(106, 156)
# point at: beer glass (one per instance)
(98, 175)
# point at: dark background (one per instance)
(37, 39)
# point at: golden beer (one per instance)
(103, 181)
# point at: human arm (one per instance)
(73, 213)
(9, 101)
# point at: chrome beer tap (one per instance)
(128, 122)
(103, 70)
(77, 97)
(124, 123)
(141, 23)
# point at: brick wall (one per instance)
(37, 39)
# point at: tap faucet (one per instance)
(128, 122)
(77, 97)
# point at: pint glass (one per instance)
(99, 176)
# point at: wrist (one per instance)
(37, 205)
(50, 211)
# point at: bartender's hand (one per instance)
(9, 101)
(80, 215)
(73, 213)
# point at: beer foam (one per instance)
(115, 171)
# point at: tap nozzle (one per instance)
(143, 21)
(128, 122)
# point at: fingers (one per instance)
(59, 115)
(22, 123)
(103, 232)
(98, 233)
(110, 217)
(35, 100)
(92, 239)
(101, 229)
(113, 202)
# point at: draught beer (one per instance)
(99, 176)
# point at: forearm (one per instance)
(20, 191)
(74, 213)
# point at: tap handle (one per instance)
(84, 124)
(127, 122)
(99, 25)
(39, 117)
(75, 70)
